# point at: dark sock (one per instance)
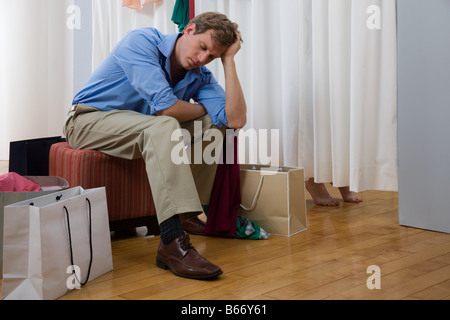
(170, 229)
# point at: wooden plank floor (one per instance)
(327, 261)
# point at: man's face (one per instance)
(197, 50)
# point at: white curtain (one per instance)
(36, 69)
(323, 72)
(111, 21)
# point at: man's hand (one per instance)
(233, 49)
(235, 106)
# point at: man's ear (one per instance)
(190, 29)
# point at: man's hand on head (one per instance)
(233, 49)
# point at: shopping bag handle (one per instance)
(256, 197)
(90, 242)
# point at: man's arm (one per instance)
(235, 106)
(184, 111)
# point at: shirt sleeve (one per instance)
(139, 58)
(212, 96)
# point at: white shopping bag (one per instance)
(55, 243)
(48, 185)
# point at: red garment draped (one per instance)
(191, 9)
(226, 196)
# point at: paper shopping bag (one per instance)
(55, 243)
(48, 185)
(31, 157)
(274, 198)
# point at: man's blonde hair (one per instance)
(224, 31)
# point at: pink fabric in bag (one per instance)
(13, 182)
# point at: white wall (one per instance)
(424, 113)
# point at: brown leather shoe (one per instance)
(194, 226)
(183, 260)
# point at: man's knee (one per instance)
(162, 127)
(168, 122)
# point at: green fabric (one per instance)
(180, 15)
(246, 229)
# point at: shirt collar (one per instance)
(167, 44)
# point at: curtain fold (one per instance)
(373, 139)
(323, 72)
(36, 63)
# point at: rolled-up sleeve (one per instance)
(212, 96)
(141, 64)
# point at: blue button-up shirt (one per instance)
(136, 76)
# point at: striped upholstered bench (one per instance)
(129, 198)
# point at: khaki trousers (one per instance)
(177, 188)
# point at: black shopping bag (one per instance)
(31, 157)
